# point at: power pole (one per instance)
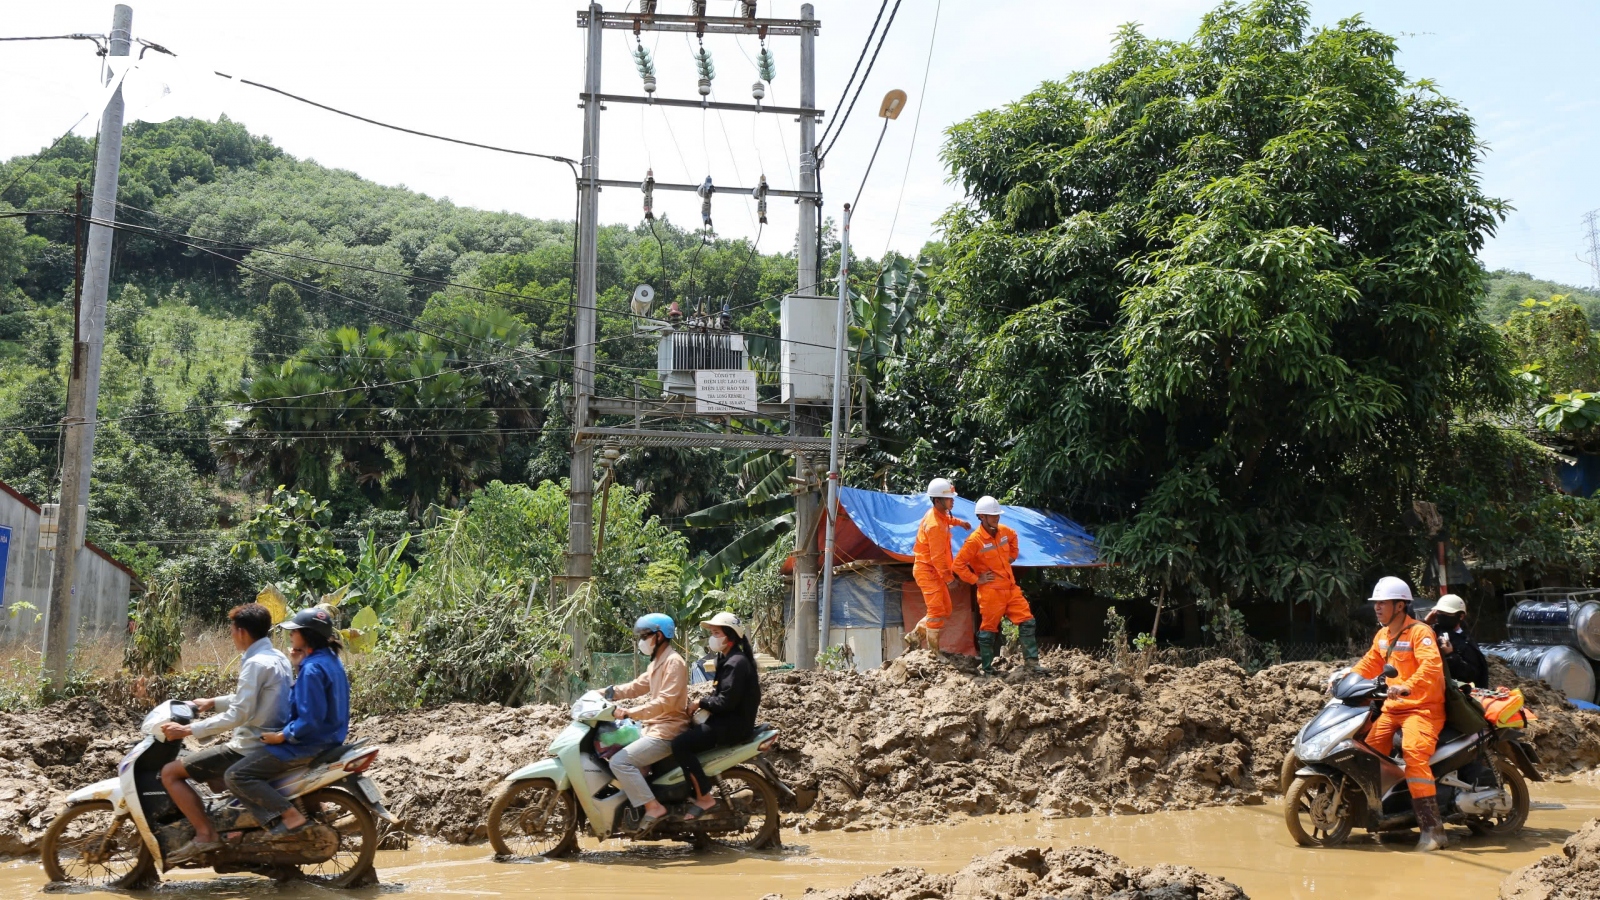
(580, 518)
(1591, 220)
(805, 501)
(83, 390)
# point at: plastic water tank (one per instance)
(1564, 621)
(1563, 668)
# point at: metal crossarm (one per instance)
(702, 24)
(641, 437)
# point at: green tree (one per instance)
(123, 321)
(1217, 296)
(1552, 339)
(280, 329)
(185, 341)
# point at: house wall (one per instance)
(101, 596)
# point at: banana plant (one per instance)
(765, 511)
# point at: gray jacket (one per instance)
(261, 702)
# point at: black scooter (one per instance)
(1340, 783)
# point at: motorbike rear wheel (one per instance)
(1308, 810)
(351, 864)
(755, 802)
(533, 818)
(1512, 822)
(89, 844)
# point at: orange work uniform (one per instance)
(1420, 715)
(931, 566)
(1001, 598)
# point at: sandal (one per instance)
(696, 813)
(193, 849)
(280, 830)
(648, 824)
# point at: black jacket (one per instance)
(735, 698)
(1466, 662)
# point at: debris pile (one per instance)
(916, 741)
(1574, 875)
(1026, 873)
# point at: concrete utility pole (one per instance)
(83, 391)
(1591, 221)
(580, 521)
(805, 502)
(841, 342)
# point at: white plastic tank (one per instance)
(1563, 668)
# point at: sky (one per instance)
(509, 74)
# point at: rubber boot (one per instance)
(986, 648)
(1433, 836)
(1028, 637)
(931, 641)
(913, 638)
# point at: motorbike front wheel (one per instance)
(1316, 813)
(89, 844)
(533, 818)
(1510, 823)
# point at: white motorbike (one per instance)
(119, 832)
(541, 809)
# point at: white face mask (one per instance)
(717, 643)
(646, 645)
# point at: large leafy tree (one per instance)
(1217, 296)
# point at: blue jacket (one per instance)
(320, 714)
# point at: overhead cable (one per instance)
(852, 80)
(863, 83)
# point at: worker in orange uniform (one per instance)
(1416, 699)
(985, 560)
(932, 565)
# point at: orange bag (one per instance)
(1503, 708)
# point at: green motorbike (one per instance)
(541, 809)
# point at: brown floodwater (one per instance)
(1246, 845)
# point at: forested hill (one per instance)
(200, 309)
(1507, 289)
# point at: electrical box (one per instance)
(682, 353)
(807, 327)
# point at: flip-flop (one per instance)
(281, 830)
(193, 849)
(697, 813)
(648, 824)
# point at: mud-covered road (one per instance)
(914, 742)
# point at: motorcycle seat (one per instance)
(1446, 735)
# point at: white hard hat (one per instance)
(1450, 604)
(1390, 588)
(941, 487)
(725, 620)
(988, 506)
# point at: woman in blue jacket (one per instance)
(319, 719)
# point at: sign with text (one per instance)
(724, 391)
(5, 555)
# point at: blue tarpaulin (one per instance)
(890, 521)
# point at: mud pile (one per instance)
(1574, 875)
(1018, 873)
(913, 742)
(917, 739)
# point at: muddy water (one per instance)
(1246, 845)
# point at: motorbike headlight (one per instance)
(1314, 747)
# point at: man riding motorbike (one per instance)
(731, 708)
(1415, 706)
(258, 705)
(663, 715)
(319, 720)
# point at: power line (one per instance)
(571, 163)
(852, 80)
(863, 83)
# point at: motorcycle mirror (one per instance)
(1390, 672)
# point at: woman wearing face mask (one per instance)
(1462, 658)
(731, 706)
(662, 716)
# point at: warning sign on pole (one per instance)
(724, 391)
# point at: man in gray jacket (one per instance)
(259, 704)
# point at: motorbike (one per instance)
(541, 809)
(1340, 783)
(119, 832)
